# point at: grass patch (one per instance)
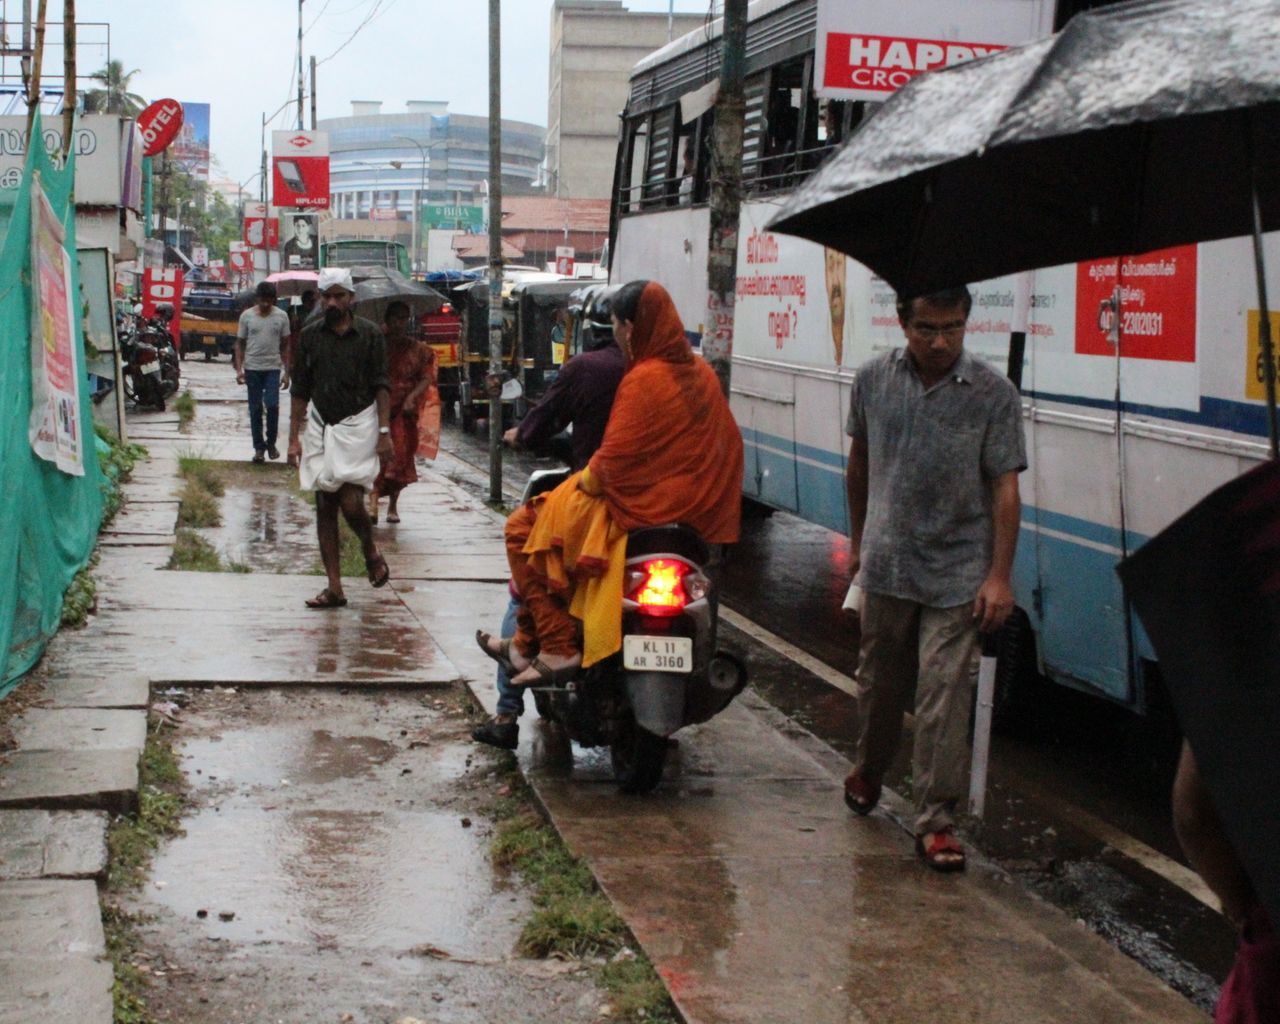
(131, 841)
(192, 553)
(185, 404)
(204, 486)
(572, 916)
(81, 598)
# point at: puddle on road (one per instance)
(330, 837)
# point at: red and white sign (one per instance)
(868, 49)
(564, 260)
(1157, 305)
(159, 124)
(164, 285)
(300, 169)
(384, 213)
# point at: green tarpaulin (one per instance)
(50, 519)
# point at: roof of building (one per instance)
(548, 213)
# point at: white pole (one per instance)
(982, 727)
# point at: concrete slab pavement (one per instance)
(52, 844)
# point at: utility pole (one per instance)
(494, 379)
(68, 81)
(300, 125)
(313, 93)
(726, 194)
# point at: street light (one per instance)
(422, 188)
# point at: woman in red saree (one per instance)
(671, 453)
(411, 367)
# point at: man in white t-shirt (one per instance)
(263, 333)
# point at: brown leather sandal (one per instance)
(326, 599)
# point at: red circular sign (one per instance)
(159, 124)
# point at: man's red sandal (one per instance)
(940, 850)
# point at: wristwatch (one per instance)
(384, 430)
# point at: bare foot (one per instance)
(549, 669)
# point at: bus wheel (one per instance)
(1017, 677)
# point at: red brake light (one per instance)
(660, 587)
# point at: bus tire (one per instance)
(1017, 674)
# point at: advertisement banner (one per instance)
(1157, 301)
(302, 250)
(564, 260)
(54, 428)
(97, 143)
(300, 169)
(261, 230)
(191, 145)
(164, 285)
(868, 49)
(447, 215)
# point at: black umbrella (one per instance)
(375, 290)
(1139, 126)
(1208, 591)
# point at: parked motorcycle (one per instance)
(160, 334)
(669, 673)
(142, 361)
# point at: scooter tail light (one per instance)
(657, 586)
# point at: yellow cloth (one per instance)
(581, 552)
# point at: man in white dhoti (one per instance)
(338, 428)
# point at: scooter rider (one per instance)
(581, 398)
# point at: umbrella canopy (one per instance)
(293, 282)
(1137, 127)
(375, 290)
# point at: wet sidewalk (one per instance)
(756, 894)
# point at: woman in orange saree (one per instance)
(411, 367)
(671, 453)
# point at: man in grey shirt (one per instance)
(937, 446)
(263, 333)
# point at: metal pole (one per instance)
(494, 380)
(313, 93)
(26, 45)
(68, 81)
(726, 195)
(300, 65)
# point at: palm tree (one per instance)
(114, 97)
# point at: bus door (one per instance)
(1074, 508)
(766, 411)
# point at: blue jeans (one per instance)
(510, 698)
(264, 389)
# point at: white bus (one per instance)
(1119, 445)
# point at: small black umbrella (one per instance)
(1137, 127)
(375, 290)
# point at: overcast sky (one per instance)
(240, 56)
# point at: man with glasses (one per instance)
(932, 479)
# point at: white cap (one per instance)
(335, 277)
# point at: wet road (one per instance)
(1078, 807)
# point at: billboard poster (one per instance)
(301, 250)
(97, 140)
(191, 146)
(54, 428)
(868, 49)
(300, 169)
(564, 260)
(261, 230)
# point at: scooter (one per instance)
(143, 383)
(160, 334)
(668, 674)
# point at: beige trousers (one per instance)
(909, 647)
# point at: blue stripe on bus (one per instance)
(1238, 417)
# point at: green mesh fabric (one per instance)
(48, 520)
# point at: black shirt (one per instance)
(340, 374)
(582, 394)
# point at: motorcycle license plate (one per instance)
(151, 367)
(657, 653)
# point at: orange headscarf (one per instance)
(672, 451)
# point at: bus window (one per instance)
(637, 140)
(659, 175)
